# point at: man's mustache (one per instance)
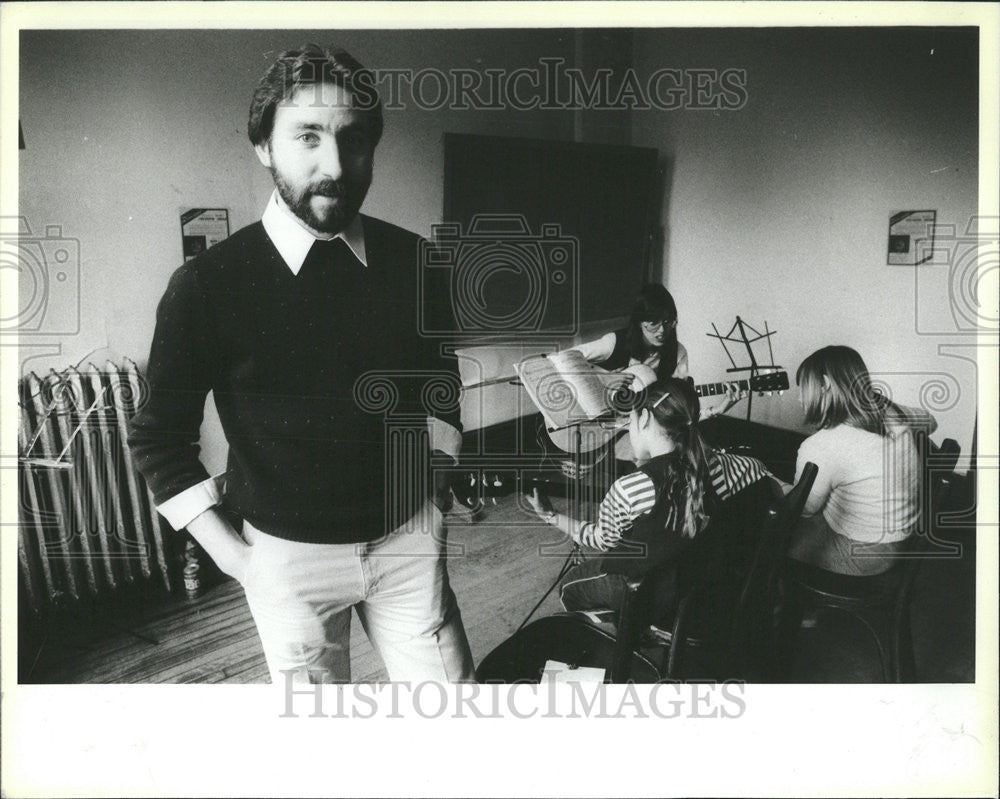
(331, 188)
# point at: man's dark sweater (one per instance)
(284, 354)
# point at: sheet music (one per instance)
(567, 389)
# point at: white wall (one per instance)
(779, 211)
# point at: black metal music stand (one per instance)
(754, 367)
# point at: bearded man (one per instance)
(284, 322)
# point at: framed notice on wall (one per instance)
(911, 237)
(202, 228)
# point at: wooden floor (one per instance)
(506, 564)
(498, 576)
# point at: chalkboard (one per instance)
(543, 236)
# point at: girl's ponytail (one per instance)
(694, 460)
(674, 404)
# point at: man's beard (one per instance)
(348, 202)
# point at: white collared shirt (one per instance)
(292, 240)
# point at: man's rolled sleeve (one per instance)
(183, 508)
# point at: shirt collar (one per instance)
(292, 240)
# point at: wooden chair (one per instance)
(631, 648)
(744, 645)
(880, 603)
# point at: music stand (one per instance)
(754, 367)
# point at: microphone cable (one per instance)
(567, 564)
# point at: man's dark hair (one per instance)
(310, 65)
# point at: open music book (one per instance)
(569, 390)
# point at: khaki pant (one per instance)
(301, 597)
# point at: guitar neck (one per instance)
(714, 389)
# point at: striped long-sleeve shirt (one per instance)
(634, 494)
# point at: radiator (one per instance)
(87, 523)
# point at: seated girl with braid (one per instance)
(656, 514)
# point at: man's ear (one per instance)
(644, 417)
(826, 383)
(263, 153)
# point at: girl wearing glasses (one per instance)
(657, 513)
(650, 339)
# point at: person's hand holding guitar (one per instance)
(733, 395)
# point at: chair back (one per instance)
(665, 594)
(936, 479)
(749, 632)
(751, 640)
(937, 472)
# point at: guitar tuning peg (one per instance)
(493, 500)
(472, 480)
(497, 482)
(781, 393)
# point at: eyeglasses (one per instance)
(654, 327)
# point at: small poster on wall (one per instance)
(911, 237)
(202, 228)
